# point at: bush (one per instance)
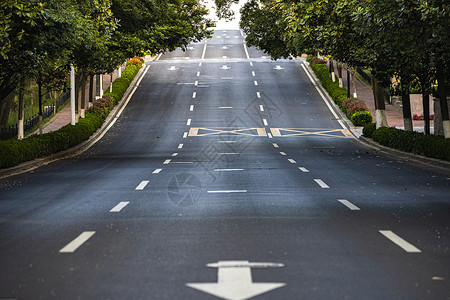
(369, 129)
(14, 152)
(361, 118)
(315, 60)
(309, 57)
(135, 61)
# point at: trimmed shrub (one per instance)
(369, 129)
(315, 60)
(14, 152)
(136, 61)
(361, 118)
(309, 57)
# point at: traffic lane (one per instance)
(225, 51)
(290, 99)
(226, 37)
(192, 51)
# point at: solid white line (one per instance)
(303, 169)
(292, 161)
(246, 51)
(182, 162)
(321, 183)
(128, 100)
(283, 153)
(253, 73)
(265, 122)
(399, 241)
(191, 108)
(198, 73)
(255, 82)
(227, 170)
(188, 122)
(350, 205)
(119, 206)
(156, 171)
(269, 135)
(261, 108)
(204, 51)
(228, 153)
(180, 146)
(194, 94)
(175, 154)
(251, 64)
(225, 106)
(159, 56)
(229, 191)
(276, 145)
(142, 185)
(224, 56)
(77, 242)
(166, 162)
(185, 135)
(258, 94)
(226, 141)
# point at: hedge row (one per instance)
(339, 95)
(14, 152)
(434, 146)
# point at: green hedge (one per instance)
(434, 146)
(14, 152)
(339, 95)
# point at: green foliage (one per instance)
(410, 141)
(361, 118)
(309, 57)
(369, 129)
(14, 152)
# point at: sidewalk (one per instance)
(63, 117)
(394, 116)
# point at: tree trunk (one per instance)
(443, 101)
(331, 66)
(339, 69)
(380, 108)
(5, 108)
(353, 72)
(20, 128)
(83, 94)
(91, 89)
(110, 86)
(426, 111)
(406, 104)
(39, 83)
(348, 84)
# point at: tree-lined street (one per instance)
(228, 175)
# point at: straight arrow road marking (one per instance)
(399, 241)
(119, 206)
(234, 280)
(77, 242)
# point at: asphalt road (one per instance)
(224, 157)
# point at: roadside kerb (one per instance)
(80, 148)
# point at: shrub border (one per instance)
(84, 145)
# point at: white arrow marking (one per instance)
(235, 280)
(278, 68)
(224, 67)
(172, 68)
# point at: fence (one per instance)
(29, 124)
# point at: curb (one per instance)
(83, 146)
(427, 161)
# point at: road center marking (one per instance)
(77, 242)
(185, 135)
(276, 145)
(255, 82)
(292, 161)
(303, 169)
(253, 73)
(180, 146)
(261, 108)
(167, 161)
(227, 170)
(283, 153)
(399, 241)
(258, 94)
(142, 185)
(157, 171)
(191, 108)
(227, 191)
(175, 154)
(265, 122)
(119, 206)
(194, 94)
(188, 122)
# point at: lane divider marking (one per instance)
(251, 64)
(194, 94)
(303, 169)
(229, 153)
(228, 107)
(227, 191)
(261, 108)
(253, 73)
(180, 146)
(265, 122)
(283, 153)
(204, 52)
(185, 135)
(255, 82)
(399, 241)
(77, 242)
(269, 135)
(292, 161)
(321, 183)
(246, 51)
(119, 206)
(157, 171)
(188, 122)
(258, 94)
(276, 145)
(350, 205)
(191, 108)
(175, 154)
(142, 185)
(198, 73)
(167, 161)
(227, 170)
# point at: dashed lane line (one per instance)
(167, 161)
(227, 170)
(185, 135)
(119, 206)
(255, 82)
(283, 153)
(77, 242)
(180, 146)
(399, 241)
(191, 108)
(227, 191)
(350, 205)
(142, 185)
(175, 154)
(265, 122)
(157, 171)
(276, 145)
(261, 108)
(303, 169)
(194, 95)
(292, 161)
(258, 94)
(188, 122)
(321, 183)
